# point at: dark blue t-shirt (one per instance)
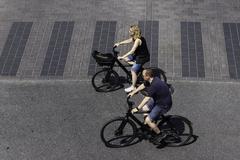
(159, 91)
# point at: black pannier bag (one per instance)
(103, 59)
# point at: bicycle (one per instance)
(128, 130)
(107, 79)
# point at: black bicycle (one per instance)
(107, 79)
(128, 130)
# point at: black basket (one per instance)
(103, 59)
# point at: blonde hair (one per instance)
(136, 31)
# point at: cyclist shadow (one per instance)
(186, 133)
(191, 141)
(143, 135)
(117, 83)
(115, 86)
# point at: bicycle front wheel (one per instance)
(179, 131)
(105, 80)
(119, 132)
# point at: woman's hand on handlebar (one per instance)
(119, 57)
(132, 93)
(124, 58)
(116, 44)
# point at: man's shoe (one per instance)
(129, 89)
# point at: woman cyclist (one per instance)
(137, 56)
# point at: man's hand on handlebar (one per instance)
(131, 94)
(134, 110)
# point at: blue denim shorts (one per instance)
(136, 67)
(156, 110)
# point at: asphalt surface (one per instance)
(62, 120)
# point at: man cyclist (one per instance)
(158, 101)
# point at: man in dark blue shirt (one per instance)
(158, 99)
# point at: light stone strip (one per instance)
(208, 57)
(169, 50)
(89, 29)
(27, 63)
(177, 57)
(42, 50)
(73, 54)
(162, 56)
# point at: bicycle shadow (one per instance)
(114, 87)
(118, 84)
(140, 137)
(191, 141)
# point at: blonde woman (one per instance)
(137, 56)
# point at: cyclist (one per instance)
(137, 56)
(158, 100)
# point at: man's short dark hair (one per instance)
(149, 72)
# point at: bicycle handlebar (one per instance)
(130, 104)
(115, 53)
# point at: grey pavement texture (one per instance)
(62, 120)
(85, 13)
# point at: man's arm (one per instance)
(144, 101)
(141, 87)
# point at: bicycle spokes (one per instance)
(118, 132)
(178, 131)
(105, 80)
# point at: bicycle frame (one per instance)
(123, 67)
(163, 118)
(135, 119)
(115, 53)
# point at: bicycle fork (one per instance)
(119, 131)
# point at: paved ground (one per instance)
(85, 14)
(62, 120)
(59, 117)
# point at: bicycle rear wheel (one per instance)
(105, 80)
(162, 75)
(178, 129)
(119, 132)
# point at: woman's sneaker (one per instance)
(129, 89)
